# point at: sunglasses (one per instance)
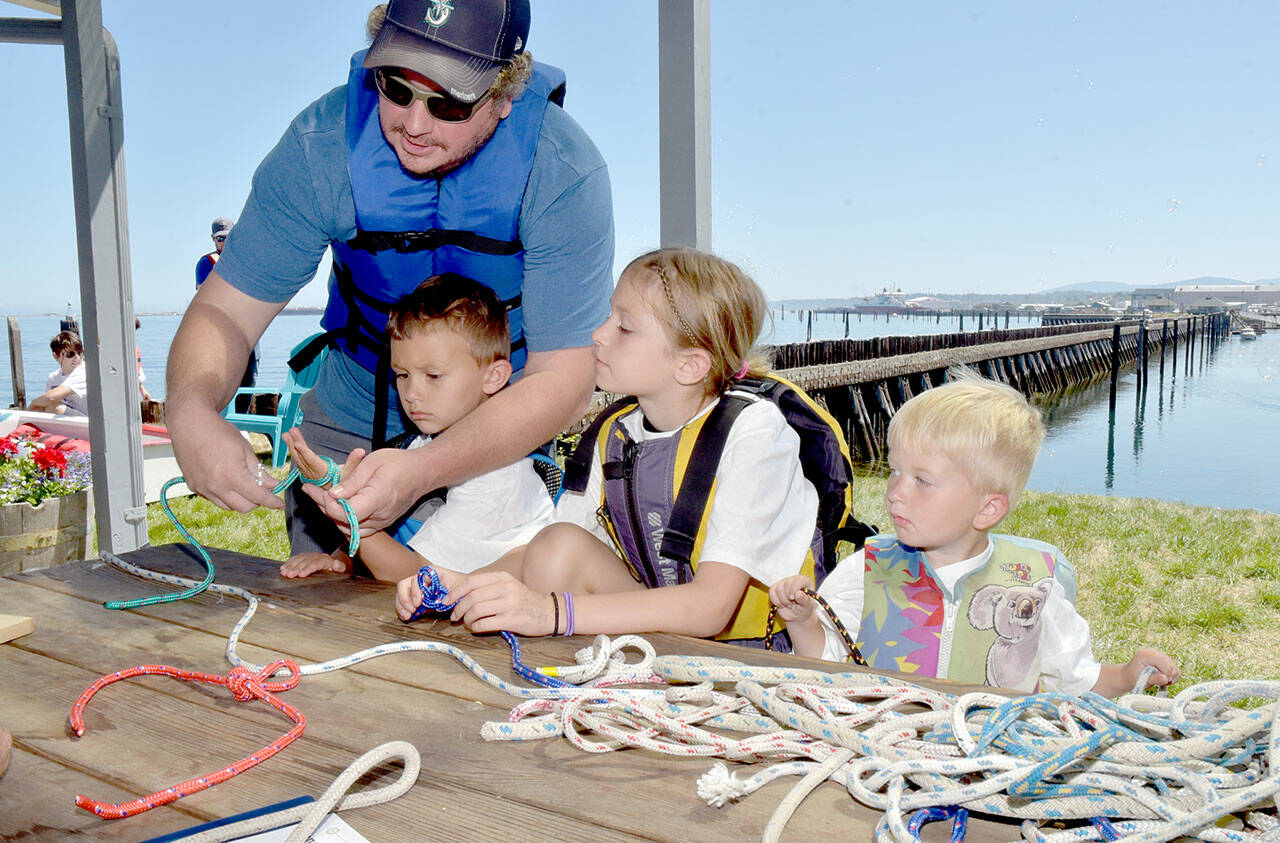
(401, 92)
(69, 353)
(220, 239)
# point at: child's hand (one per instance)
(408, 597)
(794, 606)
(307, 461)
(306, 564)
(1167, 670)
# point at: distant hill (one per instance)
(1066, 294)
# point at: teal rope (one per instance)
(331, 474)
(199, 548)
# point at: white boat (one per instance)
(1248, 333)
(158, 463)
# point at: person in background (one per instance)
(221, 230)
(450, 351)
(945, 597)
(67, 390)
(142, 376)
(445, 151)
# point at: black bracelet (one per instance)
(555, 626)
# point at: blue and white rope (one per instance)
(311, 669)
(331, 474)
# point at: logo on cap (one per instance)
(438, 13)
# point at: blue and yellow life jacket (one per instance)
(409, 228)
(658, 494)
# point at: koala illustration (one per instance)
(1014, 613)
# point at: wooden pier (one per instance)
(863, 382)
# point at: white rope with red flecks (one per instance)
(1159, 767)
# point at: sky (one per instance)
(856, 146)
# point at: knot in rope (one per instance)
(433, 593)
(244, 685)
(332, 474)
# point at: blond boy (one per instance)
(944, 597)
(449, 353)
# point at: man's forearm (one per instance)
(212, 346)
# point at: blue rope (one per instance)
(959, 826)
(433, 601)
(331, 474)
(1106, 828)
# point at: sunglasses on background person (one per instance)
(221, 238)
(399, 91)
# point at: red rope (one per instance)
(244, 686)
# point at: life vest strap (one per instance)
(406, 242)
(577, 467)
(681, 534)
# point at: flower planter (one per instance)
(56, 531)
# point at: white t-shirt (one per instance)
(765, 511)
(1066, 651)
(484, 517)
(77, 402)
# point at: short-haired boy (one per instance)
(944, 597)
(450, 349)
(66, 391)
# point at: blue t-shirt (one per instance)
(301, 202)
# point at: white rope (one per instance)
(310, 815)
(1161, 768)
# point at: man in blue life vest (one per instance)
(445, 151)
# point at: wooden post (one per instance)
(1115, 361)
(808, 330)
(15, 365)
(1142, 341)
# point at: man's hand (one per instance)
(206, 360)
(379, 488)
(219, 464)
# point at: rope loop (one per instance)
(245, 685)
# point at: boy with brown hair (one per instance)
(450, 350)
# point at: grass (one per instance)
(1200, 583)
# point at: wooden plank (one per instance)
(15, 626)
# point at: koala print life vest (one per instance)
(986, 633)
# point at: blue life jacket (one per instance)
(409, 228)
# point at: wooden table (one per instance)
(152, 732)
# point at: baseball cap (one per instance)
(461, 45)
(222, 225)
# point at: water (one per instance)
(1205, 437)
